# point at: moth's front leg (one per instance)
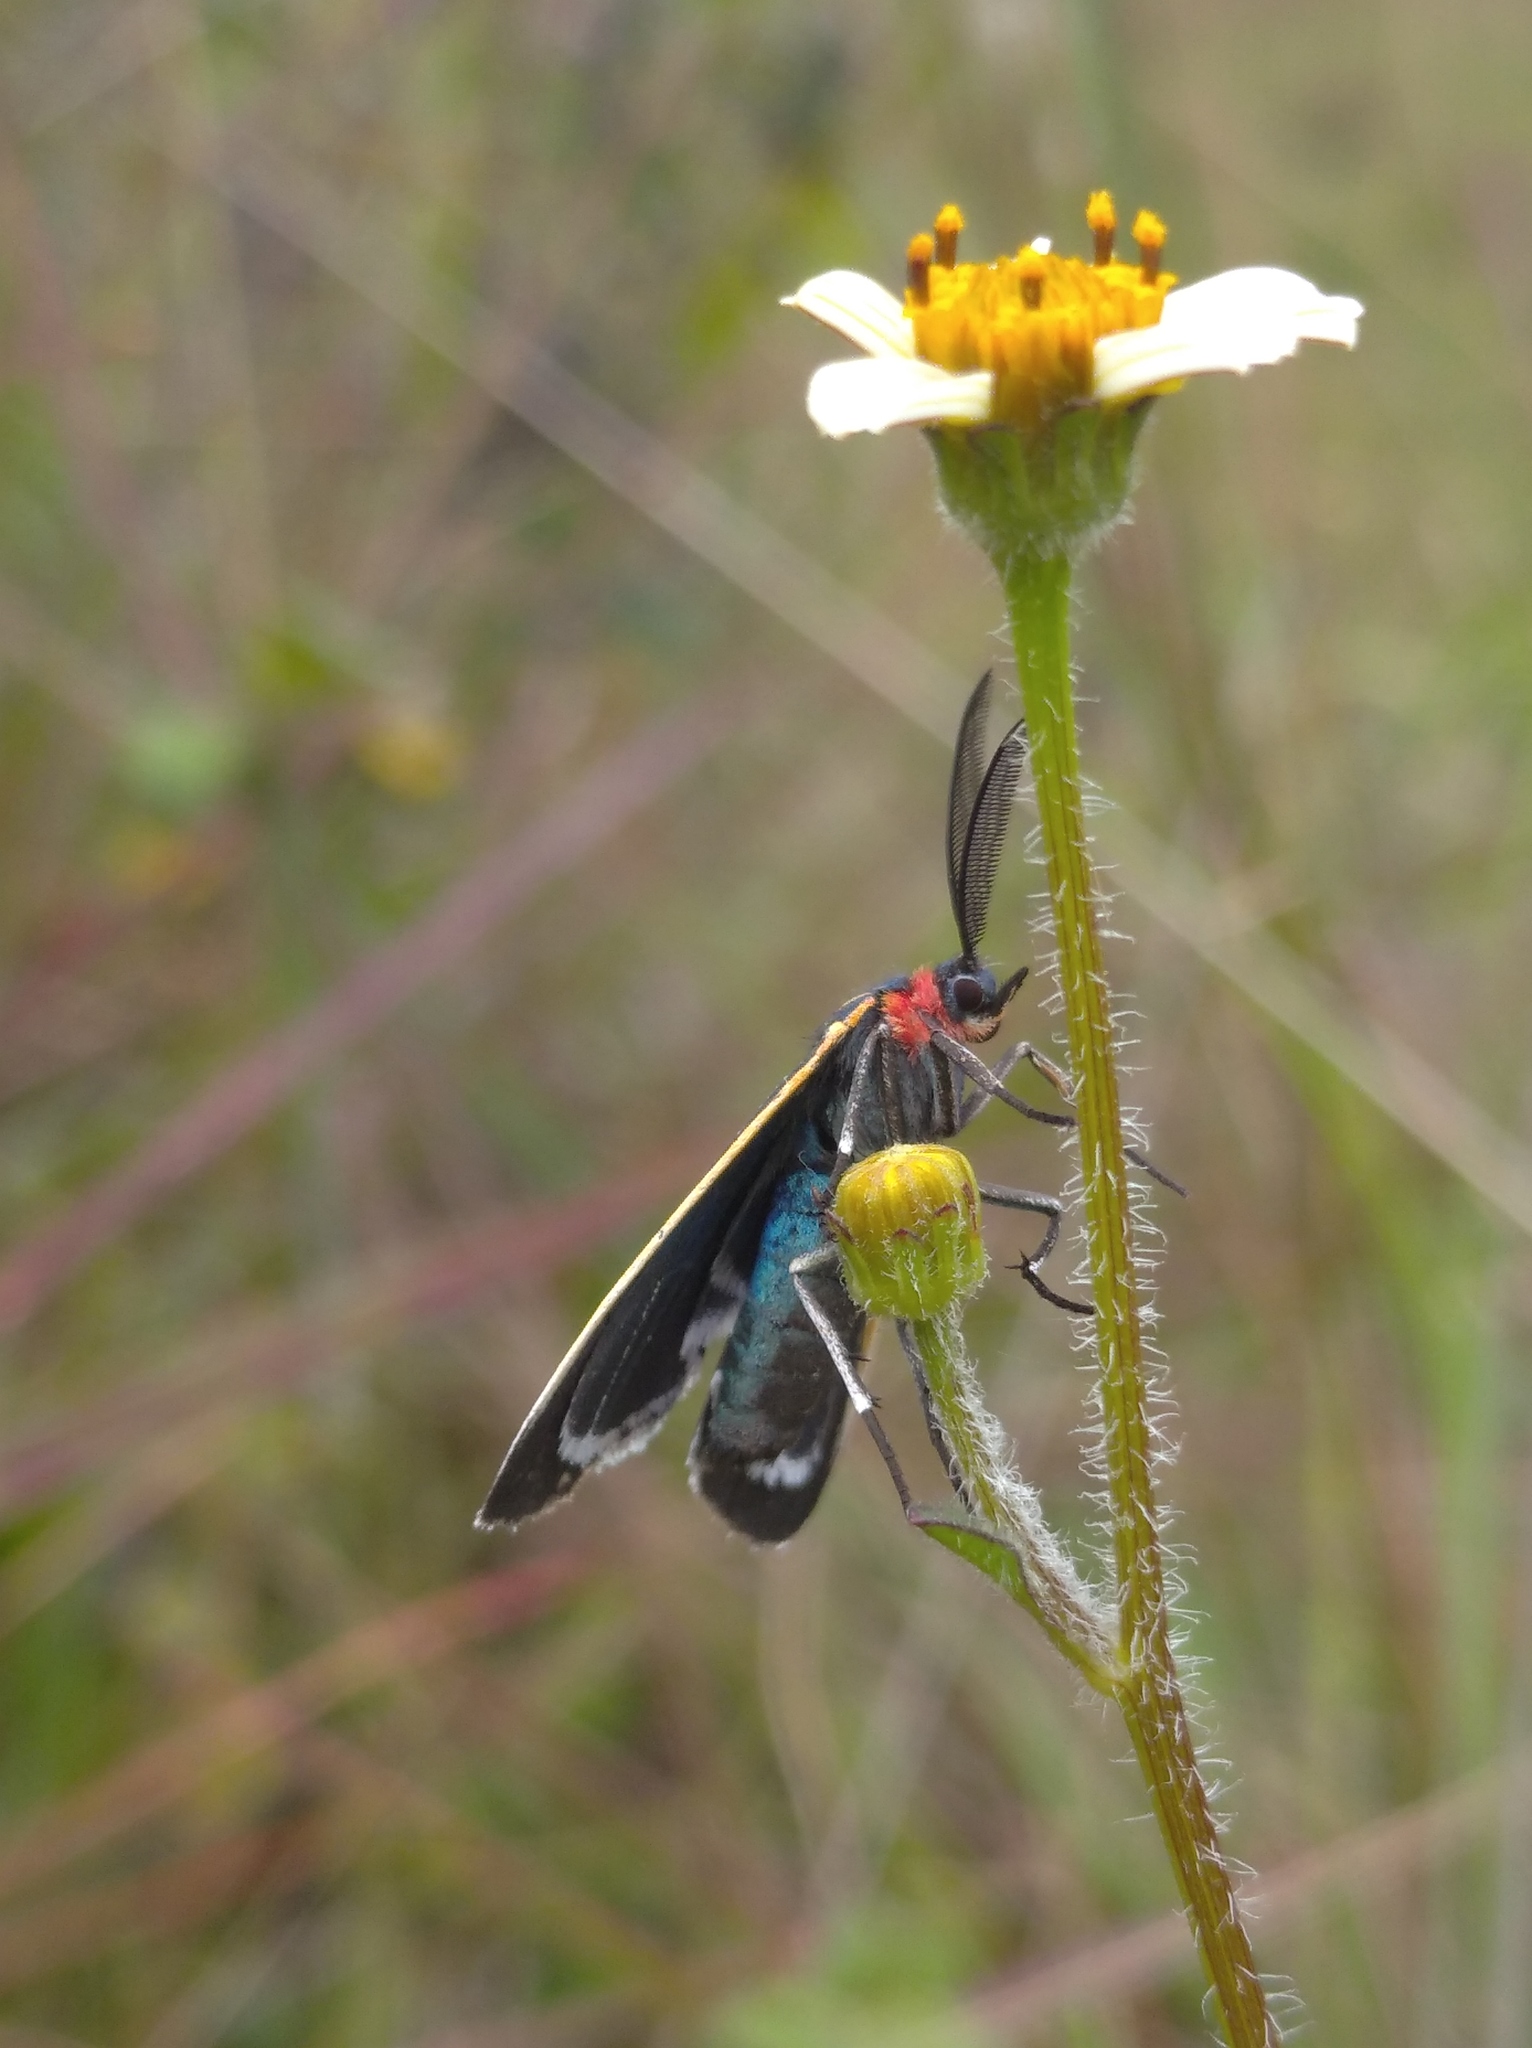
(1008, 1061)
(992, 1087)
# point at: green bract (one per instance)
(1043, 491)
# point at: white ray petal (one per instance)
(1236, 321)
(1260, 293)
(1129, 364)
(874, 392)
(859, 308)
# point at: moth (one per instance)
(747, 1256)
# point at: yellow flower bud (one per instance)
(906, 1223)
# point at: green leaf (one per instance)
(985, 1549)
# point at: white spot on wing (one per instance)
(786, 1470)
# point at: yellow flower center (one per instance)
(1033, 319)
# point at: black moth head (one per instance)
(978, 811)
(973, 999)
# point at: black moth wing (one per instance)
(767, 1486)
(968, 764)
(635, 1356)
(985, 836)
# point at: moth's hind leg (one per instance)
(1038, 1205)
(939, 1443)
(826, 1260)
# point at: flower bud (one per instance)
(906, 1223)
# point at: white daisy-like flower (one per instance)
(1031, 334)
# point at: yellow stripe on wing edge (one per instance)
(833, 1035)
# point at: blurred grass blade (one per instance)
(594, 433)
(236, 1101)
(270, 1355)
(1375, 1061)
(151, 1905)
(376, 1652)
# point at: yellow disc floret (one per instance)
(1149, 233)
(1033, 319)
(949, 225)
(1101, 219)
(917, 269)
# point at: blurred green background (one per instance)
(459, 733)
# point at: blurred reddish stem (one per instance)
(248, 1091)
(449, 1273)
(148, 1905)
(375, 1653)
(263, 1865)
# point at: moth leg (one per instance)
(1038, 1205)
(934, 1430)
(1008, 1059)
(989, 1084)
(1055, 1076)
(822, 1261)
(1154, 1172)
(861, 1076)
(971, 1100)
(1034, 1205)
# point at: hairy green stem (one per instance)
(1037, 588)
(1048, 1585)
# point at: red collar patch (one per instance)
(916, 1010)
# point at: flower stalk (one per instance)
(906, 1225)
(1030, 1564)
(1149, 1691)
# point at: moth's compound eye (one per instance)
(968, 993)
